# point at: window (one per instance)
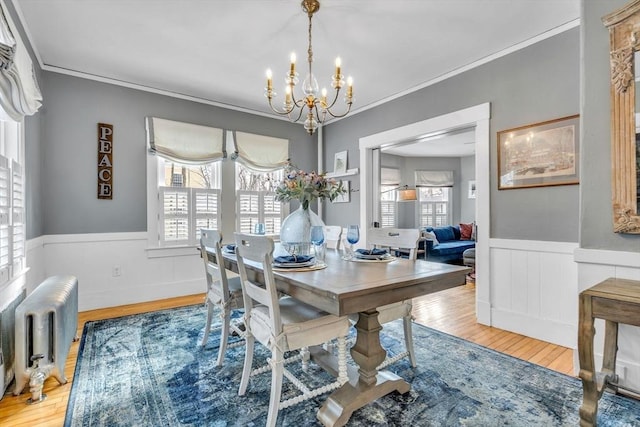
(256, 199)
(434, 208)
(12, 228)
(188, 200)
(388, 206)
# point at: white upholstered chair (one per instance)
(406, 238)
(222, 292)
(332, 236)
(282, 324)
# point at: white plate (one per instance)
(294, 264)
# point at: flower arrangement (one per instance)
(306, 187)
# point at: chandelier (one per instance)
(316, 108)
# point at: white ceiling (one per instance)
(217, 51)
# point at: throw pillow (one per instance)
(444, 233)
(465, 231)
(429, 235)
(474, 233)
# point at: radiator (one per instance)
(46, 323)
(7, 341)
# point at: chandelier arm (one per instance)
(337, 116)
(283, 112)
(317, 110)
(335, 98)
(300, 111)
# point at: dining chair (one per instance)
(332, 236)
(222, 292)
(407, 239)
(281, 325)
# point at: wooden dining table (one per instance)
(347, 287)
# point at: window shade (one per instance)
(434, 178)
(389, 176)
(184, 142)
(19, 92)
(259, 152)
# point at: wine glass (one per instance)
(317, 238)
(353, 235)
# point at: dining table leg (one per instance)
(369, 384)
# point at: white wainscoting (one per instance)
(92, 258)
(595, 266)
(534, 289)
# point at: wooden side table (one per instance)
(615, 301)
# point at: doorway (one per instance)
(477, 117)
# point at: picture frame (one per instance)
(540, 154)
(340, 163)
(344, 198)
(472, 189)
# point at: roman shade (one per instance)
(389, 176)
(434, 178)
(185, 142)
(259, 152)
(19, 92)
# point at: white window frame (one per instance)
(261, 216)
(156, 246)
(12, 226)
(388, 206)
(423, 203)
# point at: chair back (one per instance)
(258, 249)
(389, 237)
(332, 236)
(217, 283)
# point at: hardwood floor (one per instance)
(451, 311)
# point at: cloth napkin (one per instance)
(230, 247)
(372, 251)
(290, 258)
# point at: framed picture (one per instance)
(540, 154)
(472, 189)
(340, 163)
(343, 198)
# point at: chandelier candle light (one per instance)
(317, 108)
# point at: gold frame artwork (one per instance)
(624, 41)
(539, 155)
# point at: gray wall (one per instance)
(467, 173)
(72, 109)
(596, 225)
(531, 85)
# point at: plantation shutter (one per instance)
(250, 213)
(17, 220)
(248, 209)
(272, 212)
(5, 209)
(207, 206)
(174, 215)
(388, 214)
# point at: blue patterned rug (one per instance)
(148, 370)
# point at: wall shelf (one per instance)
(349, 172)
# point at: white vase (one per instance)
(295, 232)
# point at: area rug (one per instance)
(149, 370)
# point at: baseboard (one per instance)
(137, 294)
(542, 329)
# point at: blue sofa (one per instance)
(449, 247)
